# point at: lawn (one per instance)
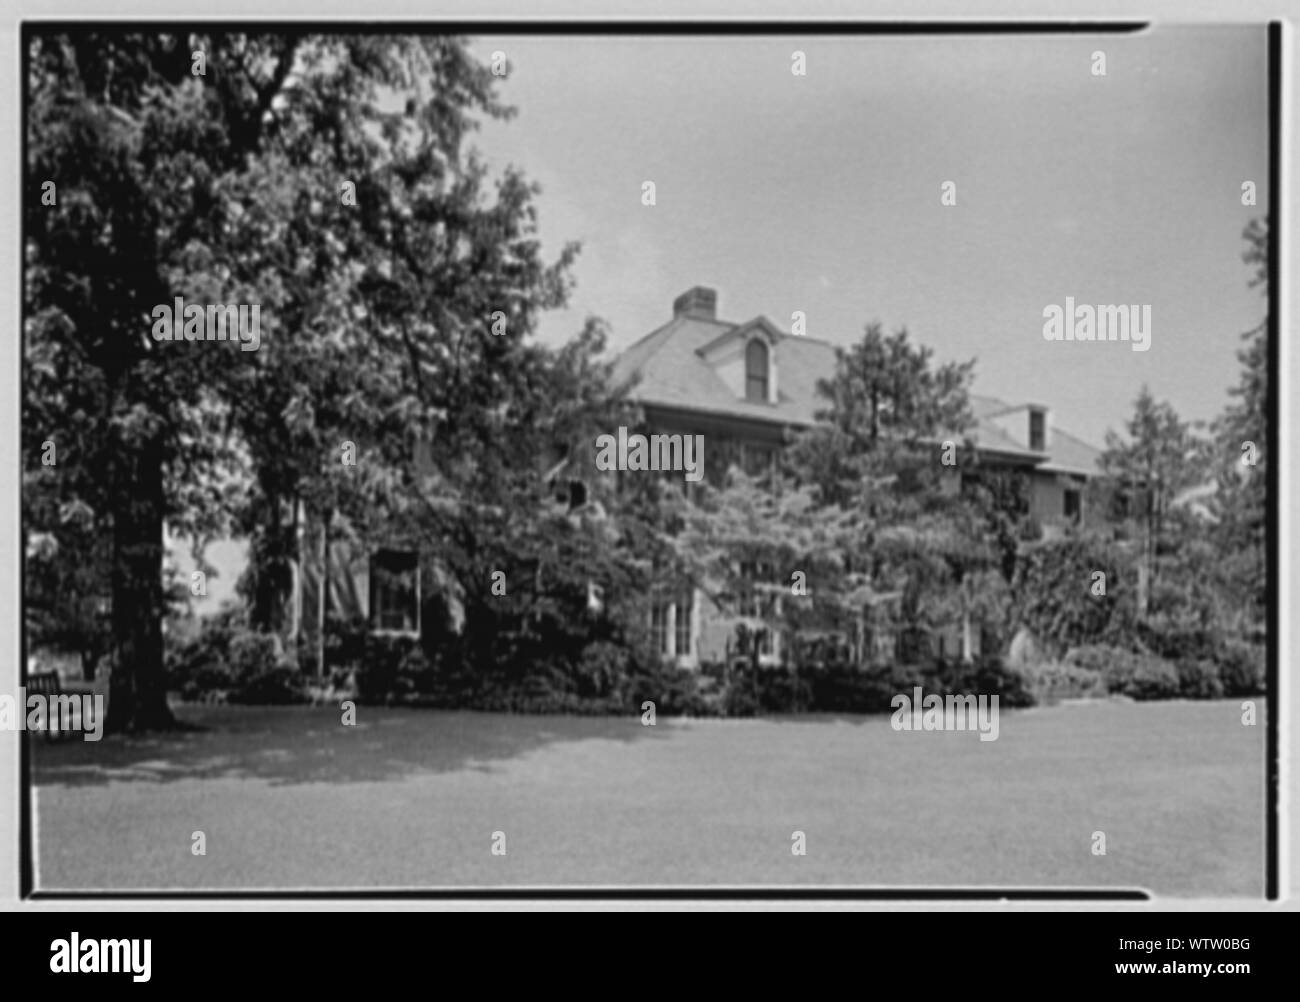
(289, 798)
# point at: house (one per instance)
(746, 386)
(387, 587)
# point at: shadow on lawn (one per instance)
(292, 745)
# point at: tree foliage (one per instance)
(228, 187)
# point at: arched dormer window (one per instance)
(756, 371)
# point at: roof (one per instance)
(674, 374)
(1065, 454)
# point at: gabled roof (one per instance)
(759, 325)
(1065, 452)
(674, 374)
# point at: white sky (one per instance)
(821, 193)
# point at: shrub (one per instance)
(739, 699)
(674, 691)
(392, 668)
(345, 645)
(201, 661)
(208, 678)
(991, 676)
(601, 668)
(1241, 667)
(251, 653)
(1198, 678)
(1052, 590)
(840, 687)
(781, 690)
(275, 686)
(1137, 674)
(1099, 658)
(1153, 678)
(1056, 680)
(224, 655)
(1176, 642)
(1142, 676)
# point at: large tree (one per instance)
(321, 178)
(868, 507)
(1159, 458)
(1242, 451)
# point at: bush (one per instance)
(1142, 676)
(739, 700)
(601, 669)
(392, 668)
(989, 676)
(1053, 597)
(1152, 678)
(206, 679)
(275, 686)
(1176, 643)
(1137, 674)
(345, 645)
(200, 662)
(1099, 658)
(251, 653)
(781, 690)
(1198, 678)
(840, 687)
(1241, 668)
(1056, 680)
(674, 691)
(225, 656)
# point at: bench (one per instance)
(49, 685)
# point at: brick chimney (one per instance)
(698, 302)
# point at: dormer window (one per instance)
(756, 372)
(1037, 431)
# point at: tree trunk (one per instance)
(966, 654)
(295, 600)
(138, 686)
(90, 655)
(322, 593)
(272, 552)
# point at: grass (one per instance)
(289, 798)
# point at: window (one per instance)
(670, 625)
(684, 603)
(659, 627)
(1071, 504)
(756, 460)
(1037, 431)
(395, 591)
(756, 371)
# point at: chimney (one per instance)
(699, 302)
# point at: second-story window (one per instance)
(756, 361)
